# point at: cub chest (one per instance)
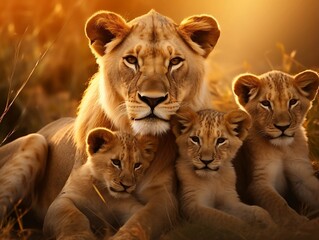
(276, 175)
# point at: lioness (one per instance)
(148, 68)
(274, 156)
(102, 193)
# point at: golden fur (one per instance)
(32, 151)
(158, 68)
(274, 157)
(106, 191)
(208, 142)
(148, 68)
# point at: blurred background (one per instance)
(45, 61)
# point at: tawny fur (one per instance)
(274, 158)
(94, 196)
(148, 68)
(31, 151)
(208, 141)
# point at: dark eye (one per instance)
(194, 139)
(175, 61)
(116, 163)
(137, 165)
(293, 102)
(131, 59)
(265, 103)
(220, 140)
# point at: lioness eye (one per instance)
(176, 60)
(137, 165)
(293, 102)
(116, 163)
(131, 59)
(220, 140)
(194, 139)
(265, 103)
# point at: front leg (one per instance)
(304, 182)
(267, 197)
(214, 218)
(22, 165)
(253, 215)
(65, 221)
(156, 216)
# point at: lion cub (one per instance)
(102, 190)
(274, 156)
(208, 141)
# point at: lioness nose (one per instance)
(282, 128)
(206, 162)
(152, 102)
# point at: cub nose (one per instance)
(282, 128)
(151, 101)
(126, 186)
(206, 162)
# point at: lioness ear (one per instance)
(200, 32)
(246, 87)
(104, 27)
(238, 123)
(307, 83)
(97, 138)
(183, 121)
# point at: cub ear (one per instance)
(307, 83)
(148, 144)
(200, 32)
(246, 87)
(183, 121)
(238, 123)
(104, 27)
(98, 138)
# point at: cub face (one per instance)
(208, 139)
(119, 160)
(277, 102)
(154, 63)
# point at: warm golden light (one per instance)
(46, 64)
(256, 36)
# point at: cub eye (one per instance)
(176, 61)
(292, 102)
(194, 139)
(137, 165)
(116, 163)
(131, 59)
(220, 140)
(265, 103)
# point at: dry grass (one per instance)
(13, 226)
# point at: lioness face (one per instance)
(151, 66)
(119, 160)
(277, 102)
(208, 139)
